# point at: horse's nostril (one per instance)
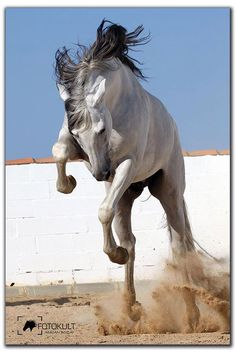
(108, 174)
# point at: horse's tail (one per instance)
(189, 239)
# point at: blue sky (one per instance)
(187, 62)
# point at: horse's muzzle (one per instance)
(102, 176)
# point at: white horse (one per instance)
(126, 138)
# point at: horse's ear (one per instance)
(96, 94)
(63, 92)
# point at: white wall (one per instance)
(51, 237)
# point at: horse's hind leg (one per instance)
(122, 225)
(171, 198)
(183, 250)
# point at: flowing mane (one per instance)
(112, 41)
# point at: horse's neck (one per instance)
(121, 84)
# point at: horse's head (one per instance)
(90, 124)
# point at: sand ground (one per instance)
(80, 324)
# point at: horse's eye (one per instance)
(102, 131)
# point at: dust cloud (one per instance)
(161, 303)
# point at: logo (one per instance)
(29, 324)
(39, 326)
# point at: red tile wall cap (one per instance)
(185, 153)
(223, 152)
(50, 159)
(24, 161)
(44, 160)
(211, 152)
(202, 152)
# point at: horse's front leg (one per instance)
(63, 150)
(123, 228)
(122, 179)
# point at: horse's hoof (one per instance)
(193, 320)
(69, 187)
(135, 312)
(120, 255)
(71, 182)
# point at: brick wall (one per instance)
(56, 238)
